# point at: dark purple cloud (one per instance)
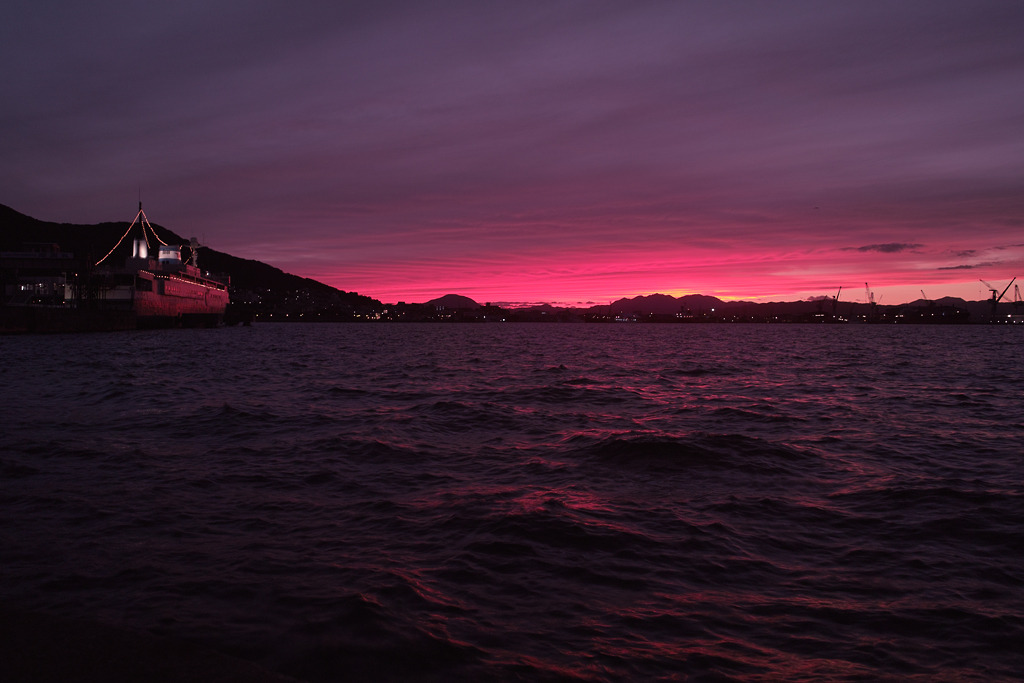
(887, 248)
(971, 266)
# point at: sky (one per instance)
(538, 151)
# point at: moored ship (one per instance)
(161, 288)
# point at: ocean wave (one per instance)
(368, 502)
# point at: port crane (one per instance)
(835, 301)
(871, 300)
(996, 299)
(871, 295)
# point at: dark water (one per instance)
(360, 502)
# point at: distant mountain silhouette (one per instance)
(664, 304)
(701, 307)
(944, 301)
(454, 301)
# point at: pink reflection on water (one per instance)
(567, 498)
(703, 640)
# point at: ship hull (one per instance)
(176, 301)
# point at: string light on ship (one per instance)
(145, 224)
(125, 235)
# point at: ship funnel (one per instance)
(140, 249)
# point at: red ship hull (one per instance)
(178, 298)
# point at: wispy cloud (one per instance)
(970, 266)
(887, 248)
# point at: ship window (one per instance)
(144, 285)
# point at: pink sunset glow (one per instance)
(560, 152)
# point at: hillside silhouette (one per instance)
(256, 288)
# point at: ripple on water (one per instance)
(550, 502)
